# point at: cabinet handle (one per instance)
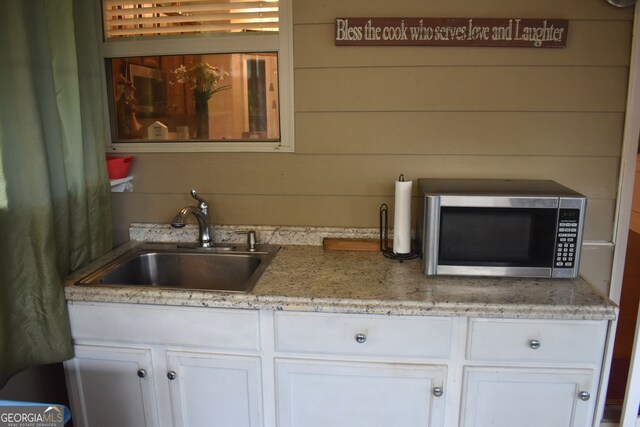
(583, 395)
(361, 338)
(172, 375)
(437, 391)
(142, 373)
(534, 344)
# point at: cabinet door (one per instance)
(505, 397)
(318, 393)
(111, 386)
(214, 390)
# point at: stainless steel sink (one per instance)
(226, 268)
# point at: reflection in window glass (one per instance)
(209, 97)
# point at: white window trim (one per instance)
(282, 43)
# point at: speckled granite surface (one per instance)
(272, 235)
(308, 278)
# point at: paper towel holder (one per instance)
(384, 236)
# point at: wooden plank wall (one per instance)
(363, 115)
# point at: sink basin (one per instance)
(225, 268)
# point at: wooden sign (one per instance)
(494, 32)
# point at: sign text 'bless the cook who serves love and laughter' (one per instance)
(497, 32)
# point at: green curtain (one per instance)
(55, 213)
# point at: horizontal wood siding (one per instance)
(460, 133)
(358, 174)
(303, 210)
(462, 89)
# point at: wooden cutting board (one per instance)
(343, 244)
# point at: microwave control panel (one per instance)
(568, 226)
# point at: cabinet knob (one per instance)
(361, 338)
(142, 373)
(583, 395)
(534, 344)
(172, 375)
(437, 391)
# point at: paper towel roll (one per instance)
(402, 218)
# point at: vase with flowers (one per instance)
(204, 80)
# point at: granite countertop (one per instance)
(309, 278)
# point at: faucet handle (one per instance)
(194, 194)
(203, 203)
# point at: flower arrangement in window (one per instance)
(203, 78)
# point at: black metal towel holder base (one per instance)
(384, 238)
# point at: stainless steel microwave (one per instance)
(489, 227)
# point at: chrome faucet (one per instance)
(201, 212)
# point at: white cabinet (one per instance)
(112, 386)
(214, 390)
(144, 365)
(321, 393)
(326, 376)
(164, 366)
(526, 397)
(531, 372)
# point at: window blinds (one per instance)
(125, 18)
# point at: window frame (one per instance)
(282, 43)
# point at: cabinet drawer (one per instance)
(543, 340)
(202, 327)
(363, 335)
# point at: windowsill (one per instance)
(191, 146)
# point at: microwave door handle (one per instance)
(498, 201)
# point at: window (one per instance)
(199, 75)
